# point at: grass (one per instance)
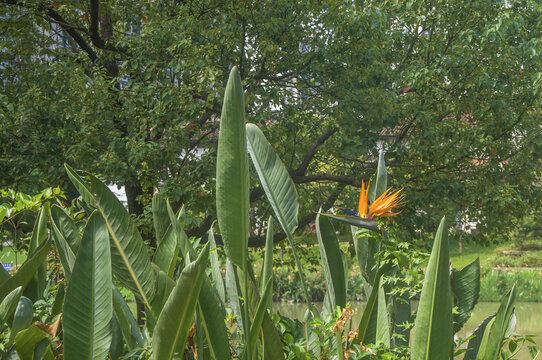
(7, 255)
(493, 255)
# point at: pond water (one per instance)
(529, 318)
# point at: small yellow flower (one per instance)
(382, 206)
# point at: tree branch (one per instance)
(302, 169)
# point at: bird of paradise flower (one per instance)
(385, 205)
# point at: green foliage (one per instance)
(450, 91)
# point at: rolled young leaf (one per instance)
(232, 182)
(433, 332)
(88, 307)
(495, 333)
(379, 186)
(177, 315)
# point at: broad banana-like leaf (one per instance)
(210, 307)
(433, 331)
(80, 185)
(88, 308)
(28, 343)
(164, 285)
(130, 262)
(22, 318)
(368, 325)
(166, 253)
(474, 344)
(39, 233)
(332, 263)
(354, 221)
(160, 217)
(261, 309)
(274, 177)
(127, 323)
(213, 322)
(27, 270)
(4, 274)
(215, 268)
(177, 315)
(117, 342)
(66, 226)
(267, 268)
(35, 288)
(59, 301)
(65, 252)
(466, 290)
(271, 341)
(232, 183)
(279, 188)
(9, 304)
(496, 330)
(367, 248)
(379, 186)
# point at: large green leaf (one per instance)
(160, 217)
(35, 288)
(466, 291)
(274, 177)
(28, 341)
(88, 307)
(65, 252)
(210, 307)
(232, 185)
(367, 248)
(496, 331)
(127, 323)
(66, 226)
(433, 332)
(213, 321)
(164, 285)
(379, 186)
(354, 221)
(369, 328)
(382, 318)
(27, 270)
(130, 261)
(22, 318)
(80, 185)
(474, 344)
(332, 263)
(9, 304)
(174, 322)
(168, 248)
(267, 268)
(261, 309)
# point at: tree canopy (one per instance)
(132, 91)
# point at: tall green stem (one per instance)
(246, 321)
(301, 276)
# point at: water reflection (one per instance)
(529, 317)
